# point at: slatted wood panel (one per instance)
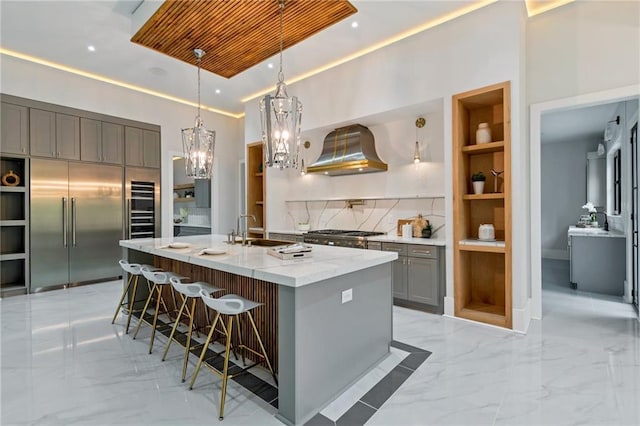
(266, 316)
(236, 34)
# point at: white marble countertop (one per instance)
(327, 261)
(574, 231)
(395, 239)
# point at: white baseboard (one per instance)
(555, 254)
(448, 306)
(522, 318)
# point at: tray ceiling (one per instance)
(235, 34)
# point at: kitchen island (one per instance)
(326, 319)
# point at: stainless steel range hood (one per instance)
(348, 150)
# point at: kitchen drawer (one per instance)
(282, 237)
(401, 249)
(374, 245)
(429, 252)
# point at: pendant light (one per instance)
(420, 122)
(280, 116)
(198, 142)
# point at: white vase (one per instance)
(478, 187)
(483, 134)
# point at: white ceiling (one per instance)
(585, 124)
(60, 31)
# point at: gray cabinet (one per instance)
(151, 149)
(101, 141)
(422, 280)
(417, 280)
(133, 146)
(142, 147)
(91, 140)
(15, 129)
(54, 135)
(42, 131)
(203, 192)
(399, 269)
(112, 143)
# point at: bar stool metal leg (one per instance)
(155, 318)
(264, 353)
(225, 371)
(144, 311)
(124, 293)
(173, 329)
(187, 347)
(204, 349)
(131, 303)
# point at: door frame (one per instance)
(535, 120)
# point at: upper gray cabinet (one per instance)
(54, 135)
(91, 139)
(151, 149)
(15, 129)
(101, 141)
(142, 147)
(203, 192)
(112, 142)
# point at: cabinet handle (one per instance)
(128, 219)
(65, 218)
(73, 221)
(422, 251)
(408, 261)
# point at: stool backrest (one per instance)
(131, 268)
(157, 277)
(188, 289)
(224, 306)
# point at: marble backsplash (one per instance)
(374, 215)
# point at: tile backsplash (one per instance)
(375, 215)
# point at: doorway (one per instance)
(537, 112)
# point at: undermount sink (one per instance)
(263, 242)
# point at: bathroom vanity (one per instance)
(597, 260)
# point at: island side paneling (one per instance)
(265, 317)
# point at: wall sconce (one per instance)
(611, 131)
(303, 166)
(420, 122)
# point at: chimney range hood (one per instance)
(349, 150)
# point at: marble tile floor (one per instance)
(63, 363)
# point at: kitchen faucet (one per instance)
(244, 233)
(606, 223)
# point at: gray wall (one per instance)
(563, 183)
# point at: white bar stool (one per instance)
(231, 305)
(187, 291)
(159, 280)
(133, 270)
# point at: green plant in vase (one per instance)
(478, 180)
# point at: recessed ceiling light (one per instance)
(158, 71)
(218, 91)
(354, 24)
(91, 48)
(270, 65)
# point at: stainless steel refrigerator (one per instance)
(76, 222)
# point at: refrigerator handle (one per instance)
(65, 220)
(128, 225)
(73, 222)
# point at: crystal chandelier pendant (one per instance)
(281, 117)
(198, 142)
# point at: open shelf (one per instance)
(184, 200)
(256, 185)
(483, 148)
(183, 186)
(482, 269)
(491, 196)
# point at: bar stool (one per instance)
(231, 305)
(187, 291)
(159, 280)
(133, 270)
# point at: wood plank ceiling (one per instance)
(236, 34)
